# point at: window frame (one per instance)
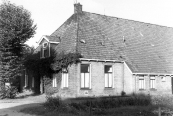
(152, 82)
(54, 81)
(43, 49)
(108, 76)
(84, 77)
(63, 73)
(26, 78)
(141, 78)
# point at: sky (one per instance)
(51, 14)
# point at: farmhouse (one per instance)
(119, 55)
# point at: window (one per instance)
(26, 78)
(85, 76)
(141, 83)
(163, 78)
(64, 78)
(152, 82)
(108, 76)
(54, 82)
(32, 81)
(45, 49)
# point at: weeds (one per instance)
(97, 105)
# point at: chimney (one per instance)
(77, 8)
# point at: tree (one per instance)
(16, 27)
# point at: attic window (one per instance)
(82, 41)
(45, 45)
(45, 50)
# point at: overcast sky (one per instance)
(50, 14)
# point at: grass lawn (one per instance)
(121, 111)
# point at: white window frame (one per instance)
(65, 77)
(152, 82)
(83, 86)
(26, 78)
(108, 81)
(45, 48)
(141, 83)
(54, 81)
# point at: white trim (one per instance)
(54, 42)
(26, 78)
(158, 74)
(125, 64)
(99, 60)
(90, 76)
(54, 81)
(113, 76)
(43, 37)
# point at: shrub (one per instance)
(96, 105)
(105, 103)
(123, 93)
(8, 92)
(57, 104)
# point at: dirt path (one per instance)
(12, 107)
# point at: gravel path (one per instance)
(12, 107)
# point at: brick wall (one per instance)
(97, 81)
(128, 80)
(162, 87)
(123, 81)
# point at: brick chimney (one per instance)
(77, 8)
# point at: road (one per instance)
(12, 107)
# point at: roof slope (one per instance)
(146, 48)
(67, 34)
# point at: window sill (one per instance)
(85, 89)
(108, 88)
(64, 88)
(153, 89)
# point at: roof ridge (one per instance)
(129, 20)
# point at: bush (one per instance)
(105, 103)
(57, 104)
(8, 92)
(96, 104)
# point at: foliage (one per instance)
(47, 66)
(8, 92)
(98, 106)
(57, 104)
(16, 27)
(64, 60)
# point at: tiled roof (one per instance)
(53, 38)
(67, 33)
(147, 48)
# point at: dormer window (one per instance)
(45, 50)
